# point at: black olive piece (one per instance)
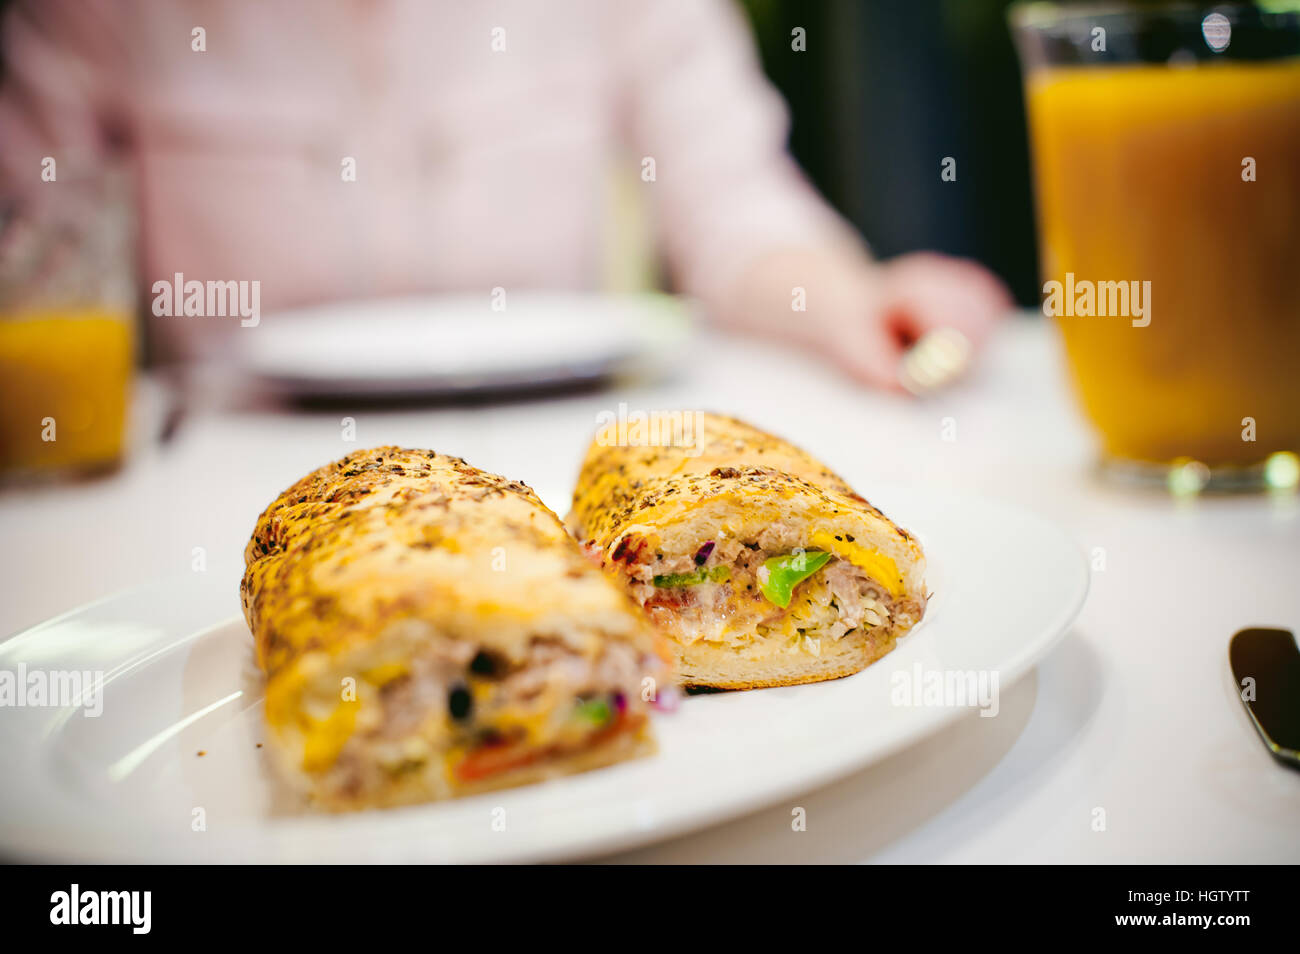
(459, 702)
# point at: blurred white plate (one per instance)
(458, 344)
(130, 784)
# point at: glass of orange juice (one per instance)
(67, 305)
(1166, 153)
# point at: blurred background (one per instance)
(880, 94)
(427, 203)
(894, 87)
(383, 152)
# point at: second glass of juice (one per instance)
(66, 322)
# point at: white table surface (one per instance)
(1134, 713)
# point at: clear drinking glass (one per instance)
(1166, 153)
(67, 303)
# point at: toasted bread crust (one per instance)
(618, 481)
(622, 486)
(392, 533)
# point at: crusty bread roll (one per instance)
(712, 530)
(429, 630)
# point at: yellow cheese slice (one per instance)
(876, 565)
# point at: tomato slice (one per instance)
(493, 758)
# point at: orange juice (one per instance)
(1144, 173)
(64, 378)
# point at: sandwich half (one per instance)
(429, 630)
(762, 566)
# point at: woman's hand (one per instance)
(912, 295)
(864, 315)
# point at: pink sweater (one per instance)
(475, 166)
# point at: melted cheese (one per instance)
(325, 738)
(385, 673)
(876, 565)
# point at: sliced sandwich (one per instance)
(763, 566)
(429, 630)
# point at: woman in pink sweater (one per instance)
(481, 138)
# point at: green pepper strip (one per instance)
(595, 711)
(718, 574)
(784, 573)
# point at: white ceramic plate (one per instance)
(459, 344)
(129, 784)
